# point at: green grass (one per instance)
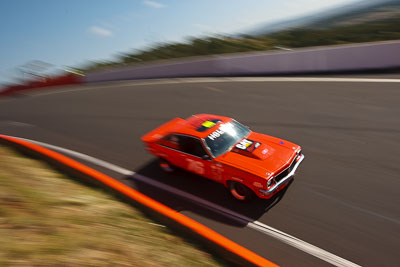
(48, 219)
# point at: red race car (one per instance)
(221, 149)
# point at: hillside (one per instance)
(351, 14)
(368, 21)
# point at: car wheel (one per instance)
(240, 191)
(165, 165)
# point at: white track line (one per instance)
(117, 84)
(256, 225)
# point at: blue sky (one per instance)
(71, 32)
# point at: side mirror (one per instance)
(205, 157)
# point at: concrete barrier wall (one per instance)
(164, 70)
(66, 79)
(382, 55)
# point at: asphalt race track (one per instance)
(345, 197)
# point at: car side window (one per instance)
(192, 146)
(183, 143)
(171, 141)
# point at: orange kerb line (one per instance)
(151, 203)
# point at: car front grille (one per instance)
(285, 172)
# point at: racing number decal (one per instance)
(244, 144)
(195, 166)
(247, 145)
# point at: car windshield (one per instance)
(227, 135)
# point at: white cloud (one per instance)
(153, 4)
(100, 31)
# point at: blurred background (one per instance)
(42, 39)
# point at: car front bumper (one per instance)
(268, 193)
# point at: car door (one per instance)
(194, 157)
(189, 153)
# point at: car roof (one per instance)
(200, 125)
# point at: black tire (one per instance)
(240, 192)
(166, 166)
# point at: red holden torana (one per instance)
(221, 149)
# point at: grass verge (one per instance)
(48, 219)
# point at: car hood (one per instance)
(261, 155)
